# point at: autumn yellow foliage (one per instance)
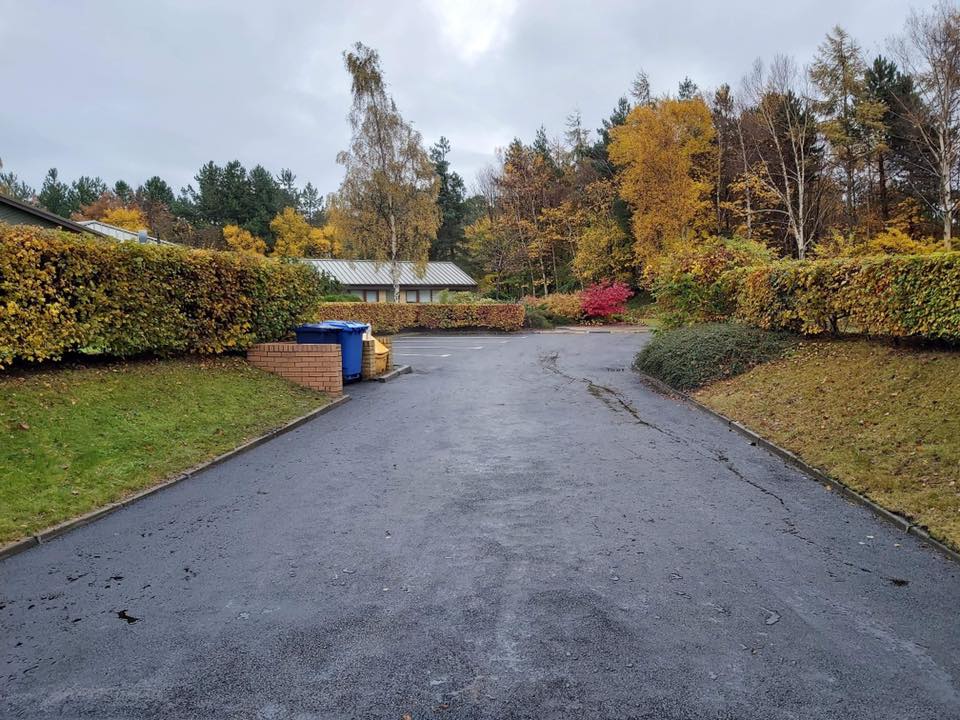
(242, 240)
(296, 238)
(891, 241)
(665, 152)
(128, 218)
(124, 299)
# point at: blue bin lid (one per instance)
(348, 325)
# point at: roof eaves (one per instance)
(47, 215)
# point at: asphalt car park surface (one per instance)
(522, 530)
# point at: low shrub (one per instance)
(554, 309)
(534, 317)
(687, 285)
(884, 295)
(341, 298)
(393, 317)
(605, 299)
(463, 297)
(691, 356)
(62, 293)
(563, 307)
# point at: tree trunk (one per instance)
(719, 179)
(851, 212)
(394, 260)
(553, 253)
(884, 207)
(747, 191)
(947, 203)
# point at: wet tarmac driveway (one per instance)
(522, 531)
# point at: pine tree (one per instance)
(450, 201)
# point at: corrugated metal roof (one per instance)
(118, 232)
(367, 273)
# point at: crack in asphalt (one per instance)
(725, 461)
(615, 401)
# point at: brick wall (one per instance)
(313, 366)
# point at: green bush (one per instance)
(884, 295)
(687, 283)
(691, 356)
(62, 293)
(341, 298)
(536, 318)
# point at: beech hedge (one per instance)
(883, 295)
(393, 317)
(62, 293)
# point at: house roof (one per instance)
(118, 232)
(368, 273)
(45, 217)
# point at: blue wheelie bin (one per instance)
(345, 333)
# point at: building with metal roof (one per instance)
(16, 212)
(122, 234)
(370, 279)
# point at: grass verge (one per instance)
(881, 419)
(76, 438)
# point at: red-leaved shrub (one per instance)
(605, 299)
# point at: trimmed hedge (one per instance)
(884, 295)
(393, 317)
(691, 356)
(61, 293)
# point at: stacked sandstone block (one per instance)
(311, 365)
(371, 364)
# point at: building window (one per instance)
(371, 296)
(413, 296)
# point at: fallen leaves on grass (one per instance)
(881, 419)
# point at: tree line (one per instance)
(846, 154)
(227, 207)
(810, 161)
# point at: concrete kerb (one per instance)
(64, 527)
(396, 372)
(904, 524)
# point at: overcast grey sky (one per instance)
(136, 88)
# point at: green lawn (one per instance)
(76, 438)
(884, 420)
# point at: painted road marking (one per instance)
(405, 346)
(440, 338)
(466, 338)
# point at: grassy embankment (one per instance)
(884, 420)
(76, 438)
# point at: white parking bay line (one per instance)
(465, 338)
(421, 355)
(405, 346)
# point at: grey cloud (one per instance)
(131, 89)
